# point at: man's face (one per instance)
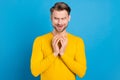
(60, 20)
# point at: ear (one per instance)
(69, 18)
(51, 16)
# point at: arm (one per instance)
(78, 64)
(38, 63)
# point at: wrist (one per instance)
(55, 54)
(61, 53)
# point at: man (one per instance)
(58, 55)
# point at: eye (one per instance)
(55, 18)
(64, 18)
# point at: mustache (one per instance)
(59, 25)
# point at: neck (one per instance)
(59, 33)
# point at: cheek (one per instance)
(54, 21)
(66, 22)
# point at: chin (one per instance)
(60, 31)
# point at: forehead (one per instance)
(60, 14)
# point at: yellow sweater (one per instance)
(44, 63)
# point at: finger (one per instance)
(54, 39)
(65, 39)
(56, 43)
(62, 39)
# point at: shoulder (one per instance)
(75, 38)
(43, 37)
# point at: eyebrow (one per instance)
(61, 18)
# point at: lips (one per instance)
(59, 25)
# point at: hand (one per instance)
(63, 41)
(55, 41)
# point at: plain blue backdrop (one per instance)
(96, 21)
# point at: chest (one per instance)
(70, 49)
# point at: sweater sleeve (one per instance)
(78, 64)
(38, 63)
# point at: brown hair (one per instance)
(59, 6)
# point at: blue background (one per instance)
(96, 21)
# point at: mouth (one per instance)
(60, 26)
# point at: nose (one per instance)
(59, 21)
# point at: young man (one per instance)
(58, 55)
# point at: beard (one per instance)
(60, 30)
